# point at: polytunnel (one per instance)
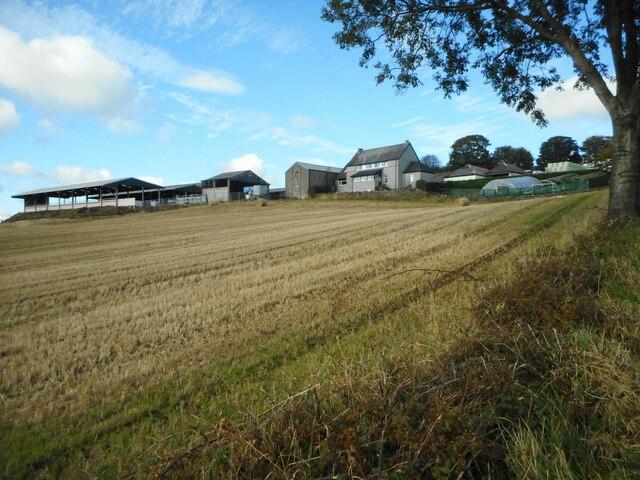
(511, 182)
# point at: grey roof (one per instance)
(380, 154)
(319, 168)
(66, 191)
(343, 174)
(364, 173)
(416, 166)
(467, 170)
(277, 190)
(503, 168)
(440, 176)
(245, 176)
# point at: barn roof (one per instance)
(319, 168)
(91, 188)
(244, 176)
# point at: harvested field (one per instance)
(190, 316)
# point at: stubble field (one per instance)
(117, 335)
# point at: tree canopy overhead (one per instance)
(514, 44)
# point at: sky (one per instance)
(177, 91)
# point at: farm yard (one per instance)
(125, 341)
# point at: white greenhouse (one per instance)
(511, 182)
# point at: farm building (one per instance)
(378, 167)
(414, 172)
(121, 192)
(468, 172)
(234, 186)
(170, 195)
(277, 193)
(304, 180)
(503, 168)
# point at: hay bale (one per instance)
(463, 202)
(261, 202)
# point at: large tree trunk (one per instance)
(624, 191)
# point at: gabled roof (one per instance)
(319, 168)
(364, 173)
(503, 168)
(416, 166)
(91, 188)
(468, 170)
(380, 154)
(244, 176)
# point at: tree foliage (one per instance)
(520, 156)
(558, 149)
(515, 45)
(597, 150)
(432, 162)
(471, 149)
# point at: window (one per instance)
(411, 177)
(385, 179)
(342, 182)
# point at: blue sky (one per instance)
(180, 90)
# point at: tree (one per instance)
(470, 149)
(558, 149)
(514, 44)
(432, 162)
(597, 151)
(520, 156)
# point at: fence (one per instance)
(583, 184)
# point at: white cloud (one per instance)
(156, 180)
(301, 121)
(65, 74)
(71, 174)
(38, 20)
(47, 126)
(572, 103)
(178, 14)
(18, 169)
(249, 161)
(213, 82)
(9, 118)
(167, 132)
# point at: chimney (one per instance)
(406, 141)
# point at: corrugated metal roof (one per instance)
(380, 154)
(68, 190)
(319, 168)
(245, 176)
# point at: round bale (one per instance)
(463, 202)
(261, 202)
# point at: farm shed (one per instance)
(119, 192)
(511, 182)
(233, 186)
(170, 195)
(304, 180)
